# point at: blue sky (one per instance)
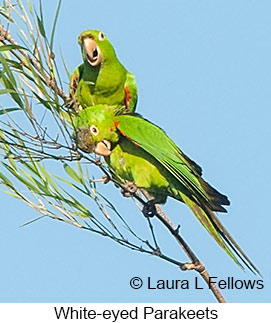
(204, 74)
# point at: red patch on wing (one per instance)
(127, 97)
(116, 123)
(74, 83)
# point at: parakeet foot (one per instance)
(73, 104)
(129, 189)
(149, 209)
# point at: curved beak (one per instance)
(92, 51)
(103, 148)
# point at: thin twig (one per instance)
(196, 264)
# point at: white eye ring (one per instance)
(101, 36)
(94, 130)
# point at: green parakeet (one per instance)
(101, 78)
(138, 151)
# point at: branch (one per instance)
(195, 264)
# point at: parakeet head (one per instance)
(95, 129)
(96, 48)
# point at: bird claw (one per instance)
(73, 104)
(149, 209)
(129, 189)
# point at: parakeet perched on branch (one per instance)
(101, 78)
(138, 151)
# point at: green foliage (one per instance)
(36, 141)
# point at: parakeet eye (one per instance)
(101, 36)
(94, 130)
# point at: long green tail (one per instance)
(216, 229)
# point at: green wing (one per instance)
(155, 141)
(206, 199)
